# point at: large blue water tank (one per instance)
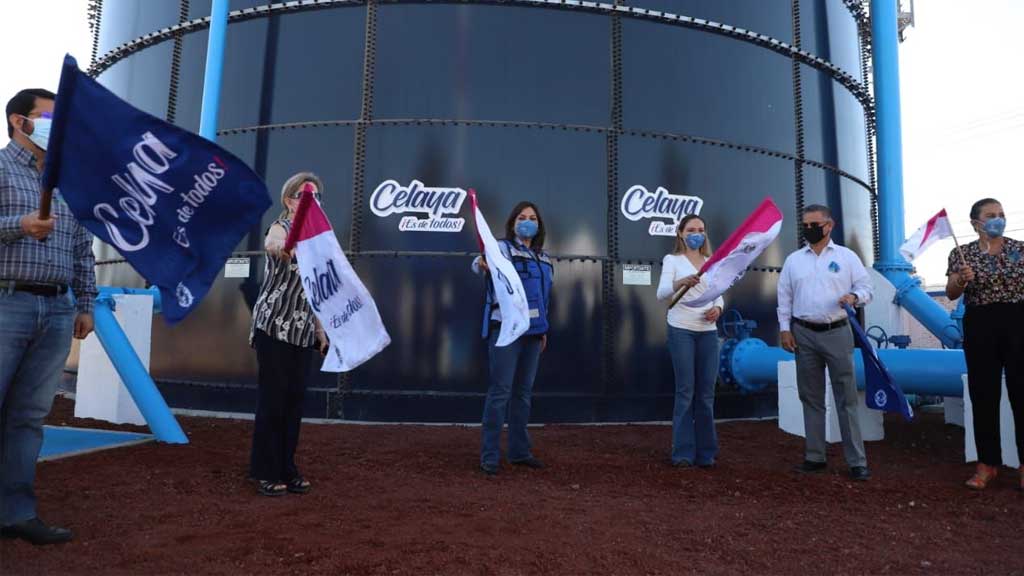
(585, 110)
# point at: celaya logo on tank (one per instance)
(429, 204)
(638, 203)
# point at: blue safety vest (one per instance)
(536, 272)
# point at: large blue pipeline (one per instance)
(131, 370)
(214, 70)
(889, 136)
(751, 364)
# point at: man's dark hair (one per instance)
(976, 208)
(818, 208)
(23, 103)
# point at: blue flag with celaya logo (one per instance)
(880, 390)
(172, 203)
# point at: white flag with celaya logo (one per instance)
(729, 263)
(335, 294)
(936, 228)
(508, 288)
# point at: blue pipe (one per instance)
(754, 365)
(152, 291)
(886, 66)
(134, 375)
(927, 311)
(214, 70)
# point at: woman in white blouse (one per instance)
(693, 345)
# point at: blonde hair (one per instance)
(292, 184)
(705, 249)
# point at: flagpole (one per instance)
(683, 292)
(45, 201)
(959, 250)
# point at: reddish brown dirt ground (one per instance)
(409, 500)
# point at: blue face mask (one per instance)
(694, 240)
(40, 135)
(526, 228)
(994, 227)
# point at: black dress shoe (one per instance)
(36, 532)
(489, 469)
(811, 467)
(859, 473)
(530, 462)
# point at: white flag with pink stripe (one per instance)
(730, 262)
(505, 281)
(339, 299)
(936, 228)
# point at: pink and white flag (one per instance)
(508, 287)
(729, 263)
(339, 299)
(936, 228)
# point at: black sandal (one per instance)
(268, 488)
(299, 485)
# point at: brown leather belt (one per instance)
(49, 290)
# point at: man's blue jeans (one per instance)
(695, 363)
(35, 337)
(512, 370)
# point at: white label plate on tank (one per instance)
(236, 268)
(636, 274)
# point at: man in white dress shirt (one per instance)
(815, 281)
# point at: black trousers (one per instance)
(993, 343)
(282, 389)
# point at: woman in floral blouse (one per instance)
(283, 331)
(989, 273)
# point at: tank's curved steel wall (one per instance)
(567, 108)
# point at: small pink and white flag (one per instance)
(339, 299)
(730, 262)
(936, 228)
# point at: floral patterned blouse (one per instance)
(281, 309)
(998, 278)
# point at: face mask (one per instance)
(994, 227)
(40, 135)
(814, 234)
(526, 228)
(694, 240)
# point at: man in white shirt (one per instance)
(815, 281)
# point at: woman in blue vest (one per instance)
(513, 367)
(693, 346)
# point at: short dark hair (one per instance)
(23, 103)
(818, 208)
(510, 225)
(977, 206)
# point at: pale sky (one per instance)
(962, 97)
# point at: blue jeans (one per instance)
(695, 364)
(35, 338)
(512, 370)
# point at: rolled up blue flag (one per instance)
(881, 392)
